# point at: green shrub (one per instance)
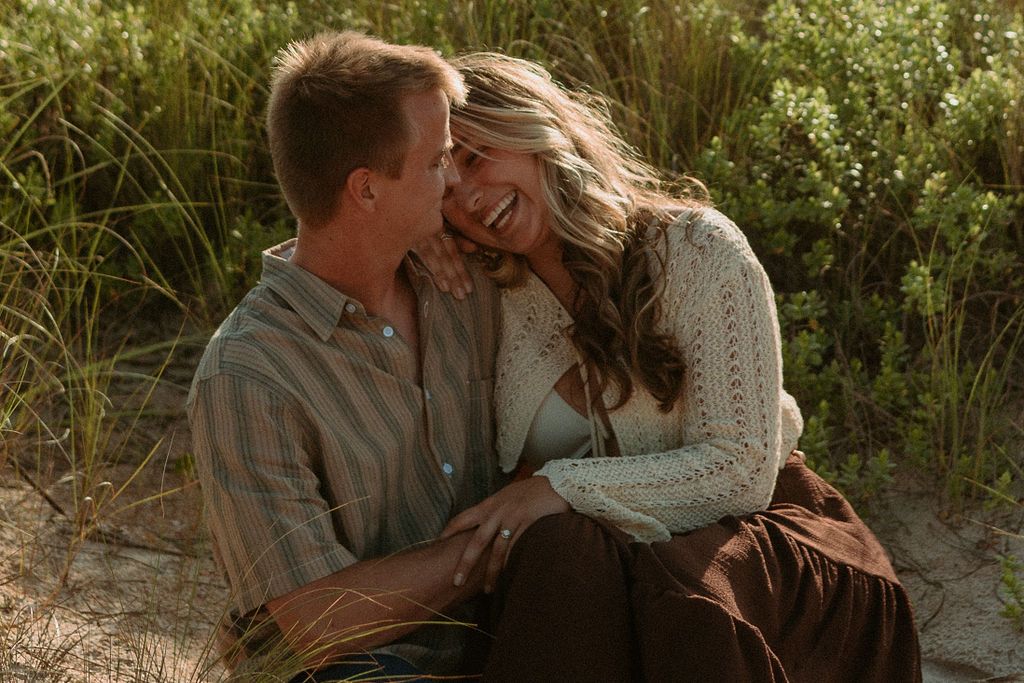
(879, 177)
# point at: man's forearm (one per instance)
(373, 602)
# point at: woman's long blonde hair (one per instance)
(607, 205)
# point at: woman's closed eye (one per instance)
(467, 157)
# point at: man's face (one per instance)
(412, 202)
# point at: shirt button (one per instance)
(388, 331)
(351, 308)
(426, 392)
(447, 467)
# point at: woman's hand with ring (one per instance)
(442, 255)
(500, 520)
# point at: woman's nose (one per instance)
(463, 193)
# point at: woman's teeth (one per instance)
(489, 221)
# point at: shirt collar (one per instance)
(320, 305)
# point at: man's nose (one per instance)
(451, 174)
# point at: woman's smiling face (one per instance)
(498, 201)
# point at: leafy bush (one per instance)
(879, 178)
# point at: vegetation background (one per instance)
(873, 153)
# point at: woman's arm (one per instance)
(718, 452)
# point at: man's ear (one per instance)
(360, 188)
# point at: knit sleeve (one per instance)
(717, 453)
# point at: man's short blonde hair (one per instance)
(335, 106)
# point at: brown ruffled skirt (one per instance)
(800, 592)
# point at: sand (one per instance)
(949, 564)
(142, 604)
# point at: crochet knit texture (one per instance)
(719, 450)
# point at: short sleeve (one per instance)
(260, 489)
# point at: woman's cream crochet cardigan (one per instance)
(718, 452)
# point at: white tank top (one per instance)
(557, 432)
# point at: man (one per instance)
(341, 415)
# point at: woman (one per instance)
(640, 390)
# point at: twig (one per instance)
(20, 471)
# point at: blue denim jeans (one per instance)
(380, 667)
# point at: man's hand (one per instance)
(512, 509)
